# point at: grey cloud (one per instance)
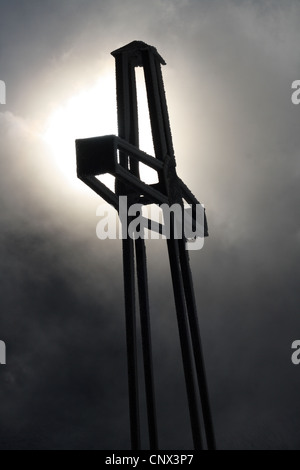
(230, 68)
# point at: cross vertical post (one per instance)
(120, 156)
(128, 130)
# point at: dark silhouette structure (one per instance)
(120, 156)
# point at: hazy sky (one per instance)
(230, 67)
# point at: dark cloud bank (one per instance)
(228, 80)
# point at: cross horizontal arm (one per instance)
(139, 155)
(99, 155)
(142, 188)
(99, 188)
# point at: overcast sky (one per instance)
(230, 67)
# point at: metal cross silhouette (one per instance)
(120, 156)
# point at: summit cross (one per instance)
(121, 156)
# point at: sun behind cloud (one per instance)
(90, 113)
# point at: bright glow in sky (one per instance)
(93, 112)
(90, 113)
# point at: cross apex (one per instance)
(135, 48)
